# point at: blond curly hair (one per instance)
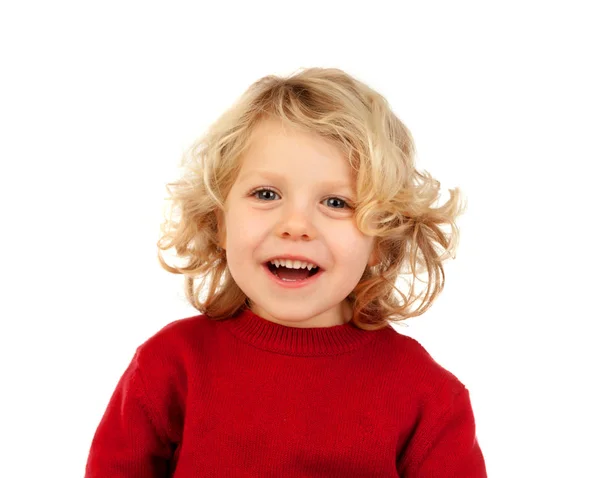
(394, 200)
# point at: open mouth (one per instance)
(289, 274)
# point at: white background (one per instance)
(98, 101)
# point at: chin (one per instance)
(291, 315)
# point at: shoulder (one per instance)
(412, 363)
(178, 342)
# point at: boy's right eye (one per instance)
(258, 191)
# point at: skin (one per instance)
(302, 215)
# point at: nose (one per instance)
(296, 223)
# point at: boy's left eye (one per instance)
(339, 201)
(332, 200)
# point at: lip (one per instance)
(292, 284)
(295, 258)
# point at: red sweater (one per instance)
(246, 397)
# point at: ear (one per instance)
(374, 257)
(221, 233)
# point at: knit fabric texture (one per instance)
(247, 397)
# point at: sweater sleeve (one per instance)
(128, 442)
(445, 444)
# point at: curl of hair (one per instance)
(394, 199)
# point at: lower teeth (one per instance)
(289, 280)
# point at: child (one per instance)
(298, 211)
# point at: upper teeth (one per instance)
(292, 264)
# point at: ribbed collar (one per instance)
(314, 341)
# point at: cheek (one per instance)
(355, 249)
(245, 228)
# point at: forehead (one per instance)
(288, 151)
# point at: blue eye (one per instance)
(340, 202)
(258, 191)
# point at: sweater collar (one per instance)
(312, 341)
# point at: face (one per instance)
(307, 211)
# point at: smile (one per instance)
(290, 283)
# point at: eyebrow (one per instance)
(274, 176)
